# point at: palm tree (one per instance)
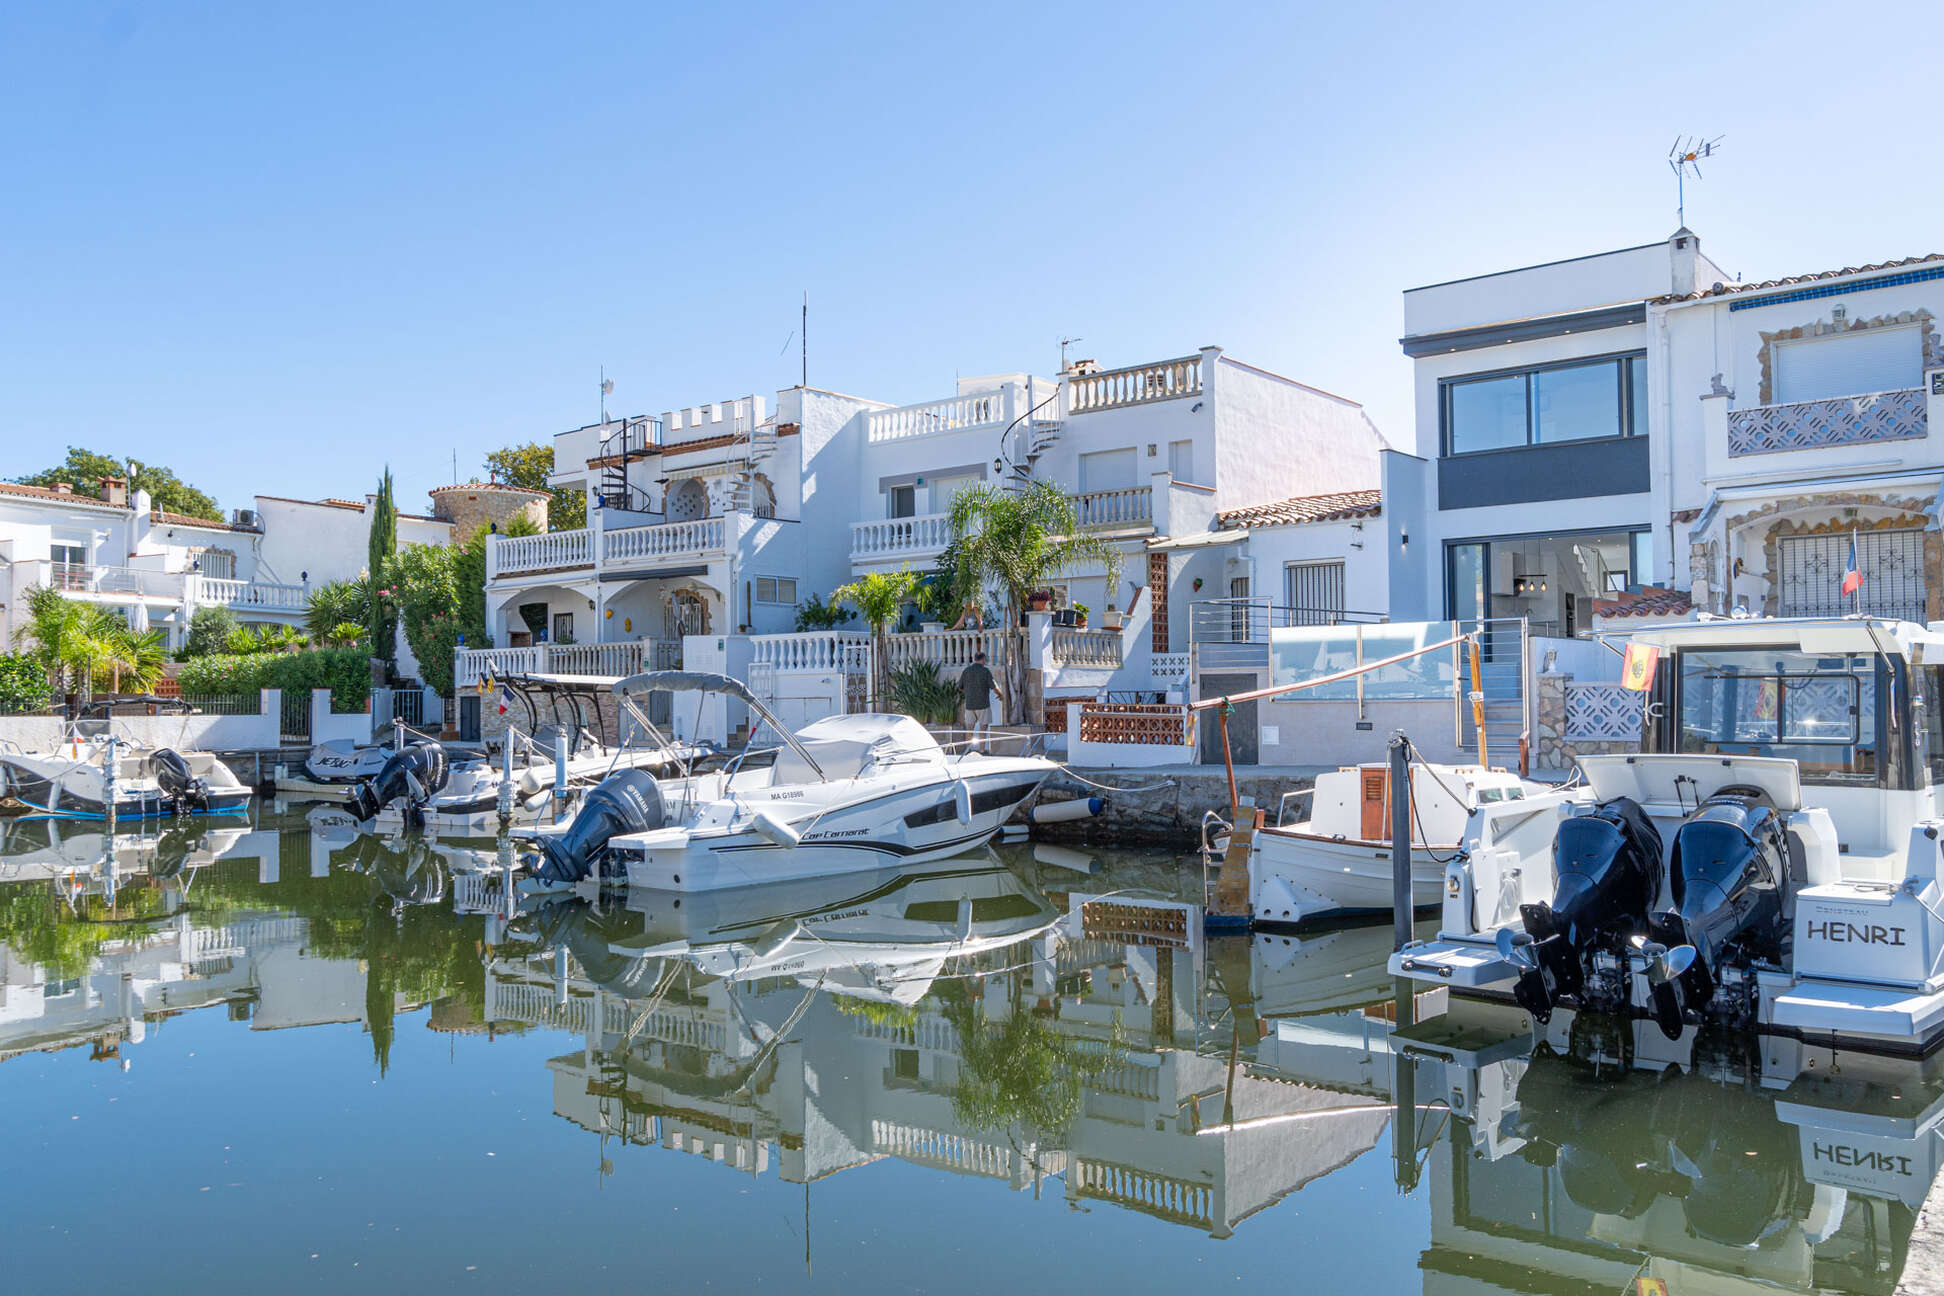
(57, 629)
(81, 645)
(878, 598)
(1015, 542)
(335, 602)
(129, 656)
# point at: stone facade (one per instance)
(1933, 351)
(1834, 512)
(471, 505)
(1551, 748)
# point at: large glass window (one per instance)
(1818, 710)
(1581, 401)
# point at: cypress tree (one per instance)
(381, 546)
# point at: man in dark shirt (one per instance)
(978, 686)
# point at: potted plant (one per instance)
(1080, 611)
(1113, 619)
(1039, 600)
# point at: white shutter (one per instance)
(1107, 470)
(1848, 364)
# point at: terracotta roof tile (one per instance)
(1729, 290)
(65, 497)
(500, 487)
(184, 520)
(1653, 601)
(1306, 508)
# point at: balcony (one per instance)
(81, 578)
(1135, 385)
(980, 409)
(119, 583)
(566, 551)
(897, 540)
(1109, 509)
(1817, 425)
(603, 659)
(246, 595)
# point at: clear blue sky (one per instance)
(277, 246)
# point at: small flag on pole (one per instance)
(1637, 671)
(1852, 574)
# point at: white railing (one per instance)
(980, 409)
(946, 1151)
(595, 658)
(1137, 385)
(621, 658)
(909, 537)
(1129, 507)
(1813, 425)
(1144, 1190)
(545, 552)
(663, 540)
(468, 664)
(814, 651)
(928, 1033)
(948, 649)
(1085, 647)
(82, 578)
(236, 593)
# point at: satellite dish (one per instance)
(607, 386)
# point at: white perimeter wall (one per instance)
(1275, 438)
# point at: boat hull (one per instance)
(76, 791)
(1298, 878)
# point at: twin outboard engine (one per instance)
(414, 773)
(626, 801)
(1730, 876)
(1608, 866)
(173, 775)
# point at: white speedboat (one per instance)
(1338, 861)
(847, 793)
(1770, 860)
(85, 773)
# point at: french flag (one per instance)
(1853, 574)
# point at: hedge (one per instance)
(344, 671)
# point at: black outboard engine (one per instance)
(626, 801)
(1731, 886)
(173, 776)
(414, 773)
(1608, 864)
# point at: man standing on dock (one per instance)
(978, 686)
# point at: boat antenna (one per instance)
(1687, 152)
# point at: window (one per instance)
(904, 501)
(1181, 461)
(1821, 711)
(1313, 592)
(563, 627)
(70, 564)
(776, 589)
(1580, 401)
(1848, 364)
(1106, 470)
(217, 564)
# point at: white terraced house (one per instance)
(153, 567)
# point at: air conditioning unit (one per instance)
(246, 518)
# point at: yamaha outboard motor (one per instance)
(415, 774)
(627, 801)
(173, 775)
(1608, 866)
(1730, 881)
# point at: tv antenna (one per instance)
(1687, 152)
(1066, 342)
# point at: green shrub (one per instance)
(23, 683)
(345, 671)
(210, 631)
(918, 691)
(815, 614)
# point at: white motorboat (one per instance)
(847, 793)
(460, 790)
(1770, 860)
(89, 770)
(1338, 860)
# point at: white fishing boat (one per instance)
(565, 744)
(847, 793)
(1770, 860)
(1337, 862)
(91, 769)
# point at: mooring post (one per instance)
(506, 783)
(560, 776)
(1400, 829)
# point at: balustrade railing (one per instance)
(949, 650)
(545, 552)
(663, 540)
(846, 651)
(979, 409)
(626, 657)
(947, 1151)
(1814, 425)
(1085, 648)
(908, 537)
(1175, 1199)
(1135, 723)
(1131, 506)
(82, 578)
(1136, 385)
(238, 593)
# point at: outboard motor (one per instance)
(1608, 866)
(415, 774)
(1730, 880)
(626, 801)
(178, 783)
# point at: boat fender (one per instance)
(1067, 811)
(530, 782)
(769, 826)
(1063, 857)
(962, 800)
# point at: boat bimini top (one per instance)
(1815, 635)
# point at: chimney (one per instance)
(64, 488)
(1684, 249)
(114, 490)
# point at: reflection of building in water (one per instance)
(740, 1071)
(1569, 1170)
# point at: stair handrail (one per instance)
(1005, 460)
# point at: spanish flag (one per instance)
(1637, 671)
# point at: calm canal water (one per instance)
(277, 1054)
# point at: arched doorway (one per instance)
(686, 613)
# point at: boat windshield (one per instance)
(1833, 714)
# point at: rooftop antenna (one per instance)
(1687, 152)
(607, 389)
(806, 337)
(1066, 342)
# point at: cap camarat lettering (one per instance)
(1846, 933)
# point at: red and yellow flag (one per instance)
(1637, 671)
(1650, 1286)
